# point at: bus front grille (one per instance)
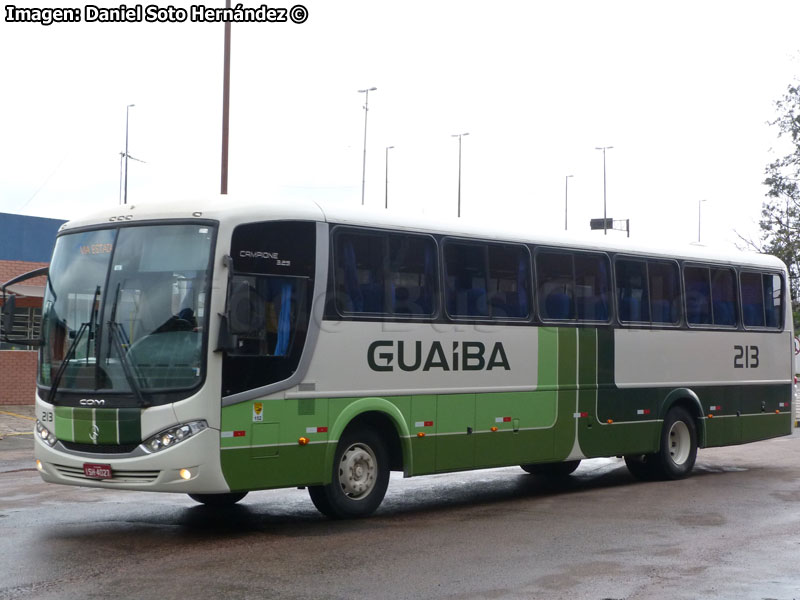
(116, 476)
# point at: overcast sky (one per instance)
(682, 91)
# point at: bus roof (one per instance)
(232, 210)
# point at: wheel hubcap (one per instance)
(357, 471)
(680, 442)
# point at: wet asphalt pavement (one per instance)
(730, 531)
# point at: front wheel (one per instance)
(359, 479)
(218, 500)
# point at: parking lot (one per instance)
(732, 530)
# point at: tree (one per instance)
(780, 214)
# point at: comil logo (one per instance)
(385, 355)
(91, 402)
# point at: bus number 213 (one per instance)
(745, 357)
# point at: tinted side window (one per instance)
(591, 287)
(573, 286)
(509, 281)
(466, 276)
(773, 300)
(486, 280)
(390, 274)
(665, 292)
(632, 295)
(723, 296)
(698, 295)
(762, 299)
(556, 290)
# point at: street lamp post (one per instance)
(604, 148)
(699, 204)
(364, 165)
(386, 205)
(566, 198)
(226, 103)
(459, 136)
(127, 112)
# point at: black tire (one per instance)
(677, 450)
(359, 479)
(553, 471)
(641, 466)
(218, 500)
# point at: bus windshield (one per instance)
(125, 310)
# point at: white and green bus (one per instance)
(214, 348)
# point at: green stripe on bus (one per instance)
(63, 423)
(130, 425)
(82, 422)
(105, 426)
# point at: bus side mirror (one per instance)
(224, 339)
(9, 306)
(244, 316)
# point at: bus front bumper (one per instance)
(192, 466)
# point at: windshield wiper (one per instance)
(117, 338)
(51, 395)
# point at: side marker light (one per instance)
(39, 465)
(710, 416)
(494, 428)
(421, 434)
(610, 421)
(302, 441)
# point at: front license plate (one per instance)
(95, 471)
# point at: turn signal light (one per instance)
(710, 416)
(302, 441)
(610, 421)
(494, 428)
(421, 434)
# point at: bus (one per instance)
(216, 347)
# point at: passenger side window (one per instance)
(633, 298)
(723, 295)
(390, 274)
(698, 295)
(710, 296)
(762, 299)
(487, 280)
(572, 286)
(665, 292)
(648, 291)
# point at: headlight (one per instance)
(45, 434)
(173, 435)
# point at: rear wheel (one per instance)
(677, 452)
(557, 470)
(228, 499)
(359, 479)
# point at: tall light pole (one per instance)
(605, 222)
(387, 176)
(566, 199)
(364, 165)
(127, 114)
(699, 204)
(226, 96)
(459, 136)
